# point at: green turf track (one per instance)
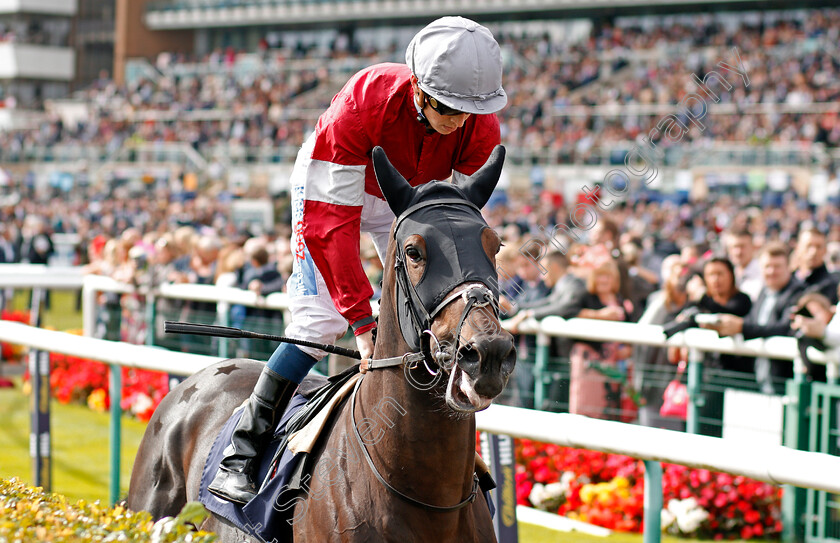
(80, 453)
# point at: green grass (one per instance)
(80, 452)
(62, 314)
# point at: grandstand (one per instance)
(36, 60)
(582, 89)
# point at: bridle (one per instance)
(475, 293)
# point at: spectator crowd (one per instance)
(555, 84)
(758, 271)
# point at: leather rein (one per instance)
(415, 502)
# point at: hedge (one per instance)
(29, 514)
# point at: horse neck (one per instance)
(419, 431)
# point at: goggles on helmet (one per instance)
(442, 108)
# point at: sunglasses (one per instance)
(441, 108)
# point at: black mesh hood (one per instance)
(451, 227)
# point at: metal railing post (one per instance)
(796, 436)
(653, 502)
(540, 365)
(696, 400)
(88, 309)
(223, 314)
(40, 439)
(831, 371)
(115, 391)
(151, 318)
(798, 368)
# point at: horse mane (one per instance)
(388, 324)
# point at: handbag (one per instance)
(675, 397)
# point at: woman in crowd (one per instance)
(721, 296)
(652, 369)
(591, 392)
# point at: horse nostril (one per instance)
(468, 357)
(509, 361)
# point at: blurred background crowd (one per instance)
(568, 93)
(760, 272)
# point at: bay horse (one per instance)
(440, 356)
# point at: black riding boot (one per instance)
(234, 480)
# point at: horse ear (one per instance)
(396, 190)
(479, 186)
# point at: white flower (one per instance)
(666, 518)
(687, 514)
(537, 494)
(550, 495)
(556, 490)
(142, 402)
(566, 479)
(691, 521)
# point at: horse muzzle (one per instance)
(481, 371)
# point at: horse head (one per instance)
(441, 283)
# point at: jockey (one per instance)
(432, 116)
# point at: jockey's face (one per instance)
(443, 124)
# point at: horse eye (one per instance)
(412, 253)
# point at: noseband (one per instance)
(474, 296)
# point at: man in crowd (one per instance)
(567, 291)
(564, 300)
(810, 264)
(531, 292)
(740, 250)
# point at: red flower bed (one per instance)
(79, 380)
(86, 381)
(608, 490)
(10, 351)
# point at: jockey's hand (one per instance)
(364, 342)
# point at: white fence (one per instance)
(778, 465)
(778, 347)
(774, 464)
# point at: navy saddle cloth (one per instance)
(268, 516)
